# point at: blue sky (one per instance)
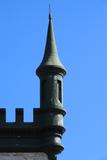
(81, 36)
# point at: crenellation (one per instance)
(34, 115)
(2, 116)
(19, 115)
(19, 118)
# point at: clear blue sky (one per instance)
(81, 34)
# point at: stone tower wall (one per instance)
(23, 156)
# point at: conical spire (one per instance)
(50, 58)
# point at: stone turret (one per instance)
(51, 72)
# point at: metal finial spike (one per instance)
(49, 8)
(50, 17)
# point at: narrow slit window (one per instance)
(59, 91)
(43, 91)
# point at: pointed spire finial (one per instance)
(50, 17)
(51, 59)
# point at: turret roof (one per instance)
(51, 58)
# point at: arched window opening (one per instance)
(43, 91)
(59, 91)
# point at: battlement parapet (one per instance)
(43, 134)
(19, 118)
